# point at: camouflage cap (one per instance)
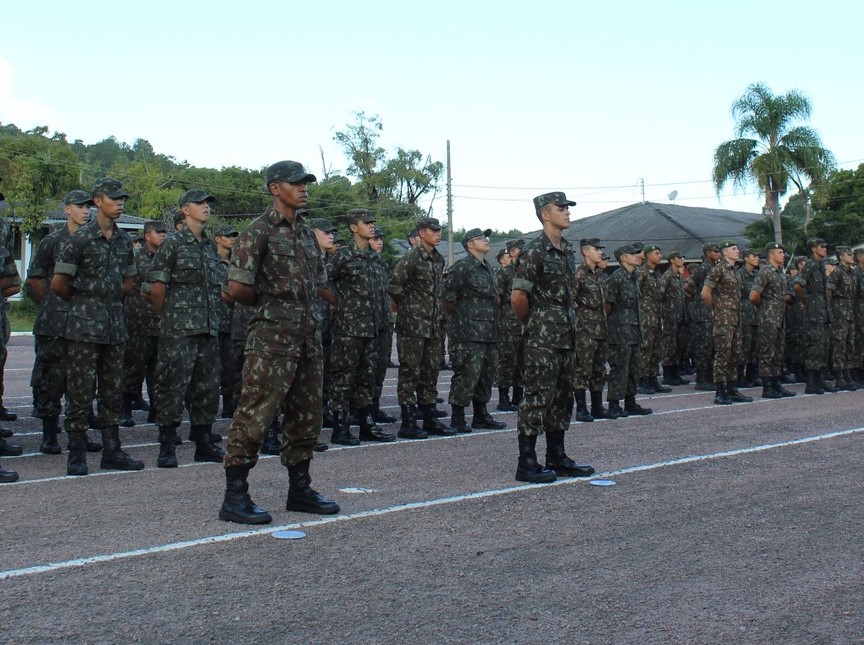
(428, 222)
(840, 250)
(859, 250)
(225, 231)
(750, 252)
(113, 188)
(473, 234)
(322, 224)
(178, 218)
(290, 171)
(515, 244)
(412, 233)
(557, 198)
(196, 196)
(77, 197)
(377, 232)
(830, 260)
(710, 246)
(771, 246)
(591, 241)
(648, 248)
(816, 241)
(631, 249)
(673, 254)
(501, 253)
(725, 244)
(336, 238)
(156, 225)
(359, 215)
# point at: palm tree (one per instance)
(780, 153)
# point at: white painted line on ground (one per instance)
(228, 537)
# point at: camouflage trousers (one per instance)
(817, 336)
(419, 360)
(383, 346)
(702, 337)
(547, 404)
(473, 372)
(91, 367)
(795, 350)
(859, 346)
(511, 351)
(672, 343)
(749, 344)
(139, 364)
(230, 397)
(327, 353)
(352, 369)
(650, 351)
(843, 344)
(187, 376)
(771, 344)
(229, 374)
(4, 354)
(727, 353)
(590, 363)
(49, 375)
(271, 382)
(624, 371)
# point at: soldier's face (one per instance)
(860, 258)
(677, 262)
(77, 213)
(109, 207)
(846, 259)
(731, 253)
(325, 239)
(290, 195)
(557, 216)
(377, 244)
(480, 244)
(504, 260)
(592, 254)
(776, 257)
(820, 250)
(654, 258)
(154, 239)
(430, 237)
(713, 256)
(751, 260)
(196, 211)
(363, 230)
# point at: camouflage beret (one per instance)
(710, 246)
(428, 222)
(473, 234)
(515, 244)
(725, 244)
(591, 241)
(557, 198)
(77, 197)
(113, 188)
(771, 246)
(290, 171)
(648, 248)
(225, 231)
(196, 196)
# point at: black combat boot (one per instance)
(597, 409)
(327, 418)
(778, 387)
(703, 384)
(273, 444)
(7, 476)
(720, 397)
(5, 433)
(50, 428)
(820, 375)
(9, 449)
(504, 402)
(615, 411)
(527, 468)
(7, 415)
(301, 497)
(457, 419)
(482, 420)
(631, 407)
(655, 385)
(91, 446)
(409, 428)
(851, 385)
(204, 448)
(141, 404)
(742, 380)
(378, 415)
(582, 407)
(518, 393)
(735, 396)
(813, 383)
(669, 375)
(769, 391)
(76, 456)
(371, 431)
(679, 380)
(432, 425)
(858, 375)
(645, 386)
(113, 457)
(558, 461)
(167, 448)
(238, 506)
(341, 434)
(126, 419)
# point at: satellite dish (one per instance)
(672, 195)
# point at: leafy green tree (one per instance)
(413, 175)
(359, 142)
(839, 208)
(780, 152)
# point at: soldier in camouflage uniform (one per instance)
(722, 295)
(470, 295)
(415, 287)
(701, 320)
(10, 284)
(622, 308)
(650, 306)
(224, 238)
(748, 373)
(94, 272)
(6, 476)
(326, 234)
(673, 319)
(841, 290)
(510, 340)
(542, 299)
(770, 295)
(384, 334)
(185, 287)
(276, 267)
(857, 371)
(811, 285)
(142, 323)
(357, 317)
(795, 350)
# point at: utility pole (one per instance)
(449, 210)
(642, 187)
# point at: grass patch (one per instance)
(22, 314)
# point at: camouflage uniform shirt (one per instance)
(815, 284)
(508, 323)
(651, 296)
(53, 311)
(352, 279)
(771, 283)
(725, 282)
(672, 286)
(472, 285)
(588, 295)
(625, 320)
(416, 284)
(142, 318)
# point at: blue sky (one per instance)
(533, 98)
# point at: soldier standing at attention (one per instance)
(6, 476)
(811, 285)
(185, 288)
(94, 272)
(276, 267)
(325, 234)
(542, 300)
(770, 296)
(510, 339)
(625, 332)
(224, 237)
(701, 321)
(356, 318)
(673, 319)
(415, 287)
(10, 284)
(384, 335)
(841, 292)
(591, 333)
(857, 372)
(470, 296)
(722, 295)
(748, 373)
(142, 322)
(650, 305)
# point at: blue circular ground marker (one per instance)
(288, 535)
(602, 482)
